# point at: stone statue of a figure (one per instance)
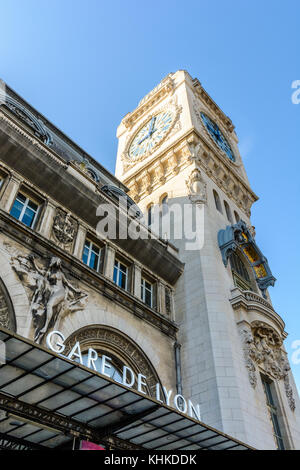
(53, 295)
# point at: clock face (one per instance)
(150, 135)
(217, 136)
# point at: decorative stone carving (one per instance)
(196, 187)
(7, 317)
(52, 295)
(109, 339)
(85, 167)
(27, 117)
(64, 227)
(239, 236)
(174, 109)
(263, 347)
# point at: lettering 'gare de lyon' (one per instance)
(137, 342)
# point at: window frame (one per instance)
(144, 289)
(267, 385)
(119, 263)
(28, 199)
(90, 250)
(217, 200)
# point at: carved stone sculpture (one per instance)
(196, 187)
(64, 227)
(263, 346)
(52, 294)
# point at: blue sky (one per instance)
(84, 65)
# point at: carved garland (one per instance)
(109, 339)
(262, 347)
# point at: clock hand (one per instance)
(152, 125)
(144, 138)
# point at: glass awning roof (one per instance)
(46, 399)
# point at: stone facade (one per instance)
(230, 334)
(208, 332)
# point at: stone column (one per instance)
(47, 220)
(109, 261)
(160, 298)
(79, 242)
(137, 280)
(10, 192)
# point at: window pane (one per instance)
(94, 261)
(16, 209)
(122, 280)
(116, 274)
(85, 254)
(148, 298)
(28, 217)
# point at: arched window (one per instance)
(217, 201)
(121, 351)
(164, 205)
(228, 212)
(150, 214)
(240, 272)
(237, 217)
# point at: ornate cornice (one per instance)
(204, 96)
(16, 126)
(165, 88)
(250, 301)
(191, 148)
(87, 276)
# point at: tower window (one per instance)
(240, 273)
(237, 217)
(91, 255)
(147, 292)
(24, 210)
(120, 275)
(228, 212)
(164, 205)
(268, 389)
(217, 201)
(150, 214)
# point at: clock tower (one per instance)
(178, 152)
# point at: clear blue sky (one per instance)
(85, 64)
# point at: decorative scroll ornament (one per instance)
(51, 294)
(27, 117)
(64, 227)
(239, 236)
(263, 347)
(196, 187)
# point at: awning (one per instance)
(46, 400)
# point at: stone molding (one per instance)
(192, 149)
(172, 107)
(112, 340)
(78, 270)
(163, 89)
(250, 301)
(263, 348)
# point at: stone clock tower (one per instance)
(178, 147)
